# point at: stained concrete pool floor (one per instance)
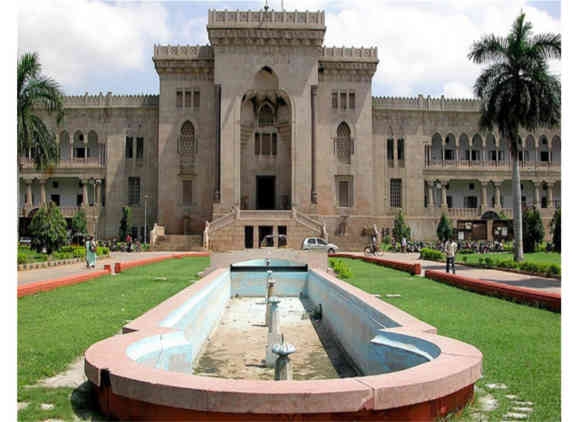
(236, 348)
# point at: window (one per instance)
(187, 138)
(128, 147)
(395, 193)
(390, 149)
(265, 116)
(257, 144)
(322, 242)
(179, 99)
(133, 190)
(344, 143)
(343, 100)
(265, 143)
(344, 193)
(274, 143)
(544, 202)
(79, 200)
(449, 201)
(476, 155)
(56, 199)
(352, 100)
(470, 202)
(492, 155)
(400, 149)
(471, 186)
(335, 99)
(197, 99)
(188, 98)
(544, 156)
(139, 153)
(79, 151)
(187, 192)
(449, 154)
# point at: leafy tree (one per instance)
(517, 90)
(556, 231)
(125, 223)
(79, 224)
(48, 228)
(532, 228)
(400, 228)
(445, 228)
(37, 92)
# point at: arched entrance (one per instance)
(265, 150)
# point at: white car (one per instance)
(318, 243)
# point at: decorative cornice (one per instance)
(350, 54)
(182, 52)
(195, 60)
(109, 100)
(266, 37)
(421, 103)
(268, 19)
(349, 71)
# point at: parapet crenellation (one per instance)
(109, 100)
(182, 52)
(248, 18)
(421, 103)
(349, 53)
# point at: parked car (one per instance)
(318, 243)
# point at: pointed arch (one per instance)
(344, 146)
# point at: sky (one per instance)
(94, 46)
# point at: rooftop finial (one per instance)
(266, 6)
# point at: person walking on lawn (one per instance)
(450, 250)
(90, 252)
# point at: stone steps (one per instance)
(174, 242)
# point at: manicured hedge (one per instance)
(432, 254)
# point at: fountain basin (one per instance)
(406, 370)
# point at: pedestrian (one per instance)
(450, 250)
(128, 240)
(404, 244)
(90, 252)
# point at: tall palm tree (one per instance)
(36, 92)
(517, 90)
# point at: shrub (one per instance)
(48, 228)
(489, 261)
(532, 229)
(432, 254)
(79, 225)
(341, 269)
(554, 269)
(555, 230)
(445, 228)
(400, 228)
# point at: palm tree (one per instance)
(517, 90)
(36, 92)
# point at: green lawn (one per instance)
(534, 257)
(520, 344)
(56, 327)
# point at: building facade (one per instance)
(267, 131)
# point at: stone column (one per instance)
(85, 149)
(97, 200)
(314, 193)
(275, 236)
(430, 194)
(43, 191)
(498, 194)
(443, 194)
(28, 202)
(84, 202)
(484, 203)
(549, 186)
(537, 194)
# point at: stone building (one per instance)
(267, 131)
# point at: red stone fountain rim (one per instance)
(458, 366)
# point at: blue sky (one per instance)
(93, 46)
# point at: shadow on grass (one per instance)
(83, 401)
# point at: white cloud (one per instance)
(77, 39)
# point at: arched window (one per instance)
(344, 143)
(65, 147)
(187, 138)
(265, 116)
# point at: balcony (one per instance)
(74, 163)
(67, 212)
(489, 164)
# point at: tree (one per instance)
(125, 223)
(445, 228)
(532, 229)
(36, 91)
(556, 231)
(400, 228)
(79, 224)
(517, 90)
(48, 228)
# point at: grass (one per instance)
(520, 344)
(534, 257)
(56, 327)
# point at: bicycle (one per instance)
(372, 250)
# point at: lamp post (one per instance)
(145, 197)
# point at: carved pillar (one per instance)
(430, 194)
(498, 195)
(97, 200)
(314, 193)
(85, 149)
(549, 186)
(28, 202)
(443, 194)
(537, 194)
(43, 191)
(84, 201)
(484, 203)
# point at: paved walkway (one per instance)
(544, 284)
(31, 276)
